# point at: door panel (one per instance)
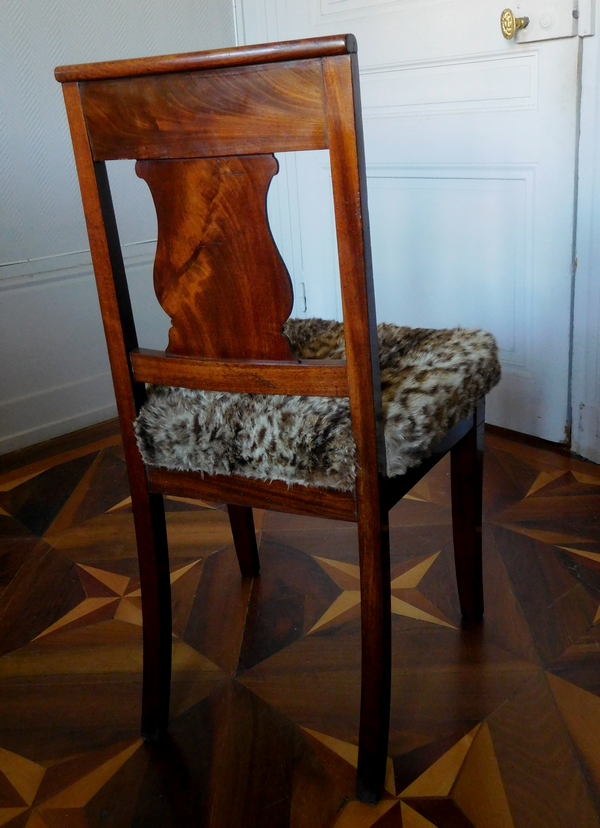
(470, 143)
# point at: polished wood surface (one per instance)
(244, 539)
(492, 725)
(217, 272)
(259, 109)
(121, 339)
(466, 469)
(216, 59)
(239, 490)
(340, 75)
(322, 378)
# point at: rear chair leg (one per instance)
(373, 535)
(151, 532)
(466, 465)
(244, 539)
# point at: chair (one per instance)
(203, 128)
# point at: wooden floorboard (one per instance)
(492, 726)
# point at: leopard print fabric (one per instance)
(430, 380)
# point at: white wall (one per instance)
(54, 374)
(586, 320)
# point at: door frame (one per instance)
(585, 351)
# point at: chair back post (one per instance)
(109, 270)
(345, 139)
(362, 354)
(121, 339)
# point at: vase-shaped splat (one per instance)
(218, 273)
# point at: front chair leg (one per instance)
(466, 469)
(244, 539)
(151, 532)
(374, 550)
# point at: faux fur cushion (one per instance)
(430, 379)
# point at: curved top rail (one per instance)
(215, 59)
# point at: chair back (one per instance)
(203, 128)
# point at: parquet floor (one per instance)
(492, 726)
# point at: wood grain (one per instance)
(467, 486)
(322, 378)
(217, 272)
(263, 53)
(239, 111)
(244, 539)
(340, 75)
(121, 337)
(224, 595)
(533, 749)
(244, 491)
(40, 456)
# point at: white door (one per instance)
(471, 160)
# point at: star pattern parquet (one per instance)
(493, 726)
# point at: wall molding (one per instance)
(75, 391)
(325, 11)
(53, 411)
(475, 83)
(514, 361)
(585, 364)
(76, 265)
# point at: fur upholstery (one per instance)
(430, 380)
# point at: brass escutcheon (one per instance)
(511, 24)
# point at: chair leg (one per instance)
(466, 466)
(151, 532)
(374, 550)
(244, 539)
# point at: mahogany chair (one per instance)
(203, 128)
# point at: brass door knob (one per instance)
(511, 24)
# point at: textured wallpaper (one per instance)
(40, 209)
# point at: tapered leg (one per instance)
(244, 539)
(374, 550)
(151, 532)
(467, 485)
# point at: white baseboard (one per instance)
(54, 373)
(50, 414)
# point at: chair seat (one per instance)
(430, 379)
